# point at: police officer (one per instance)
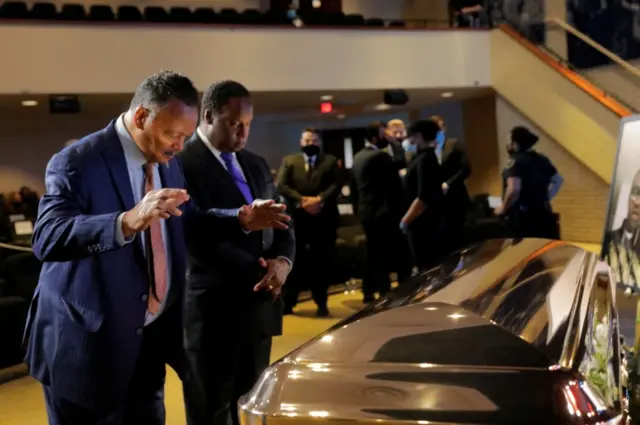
(530, 182)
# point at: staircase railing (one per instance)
(616, 77)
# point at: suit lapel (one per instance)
(169, 179)
(216, 169)
(117, 165)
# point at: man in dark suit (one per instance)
(106, 315)
(234, 278)
(309, 182)
(380, 204)
(455, 169)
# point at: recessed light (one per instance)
(341, 116)
(382, 107)
(447, 94)
(326, 98)
(316, 4)
(29, 103)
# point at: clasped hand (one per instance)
(275, 276)
(311, 204)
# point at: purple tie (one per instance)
(236, 175)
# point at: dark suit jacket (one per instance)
(377, 189)
(84, 329)
(399, 156)
(223, 264)
(295, 181)
(455, 169)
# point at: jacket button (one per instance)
(139, 331)
(145, 297)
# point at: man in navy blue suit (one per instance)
(106, 317)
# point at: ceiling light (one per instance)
(326, 98)
(382, 107)
(341, 116)
(447, 94)
(29, 103)
(316, 4)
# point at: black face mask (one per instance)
(382, 143)
(311, 150)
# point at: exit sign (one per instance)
(326, 107)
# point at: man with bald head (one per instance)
(310, 183)
(395, 132)
(621, 246)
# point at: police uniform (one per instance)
(531, 215)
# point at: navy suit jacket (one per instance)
(85, 326)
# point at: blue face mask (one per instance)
(440, 139)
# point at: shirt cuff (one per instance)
(287, 260)
(119, 234)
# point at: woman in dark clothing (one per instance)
(423, 221)
(530, 182)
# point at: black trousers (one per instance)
(534, 224)
(454, 236)
(386, 251)
(314, 267)
(426, 246)
(219, 372)
(144, 401)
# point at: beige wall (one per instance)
(582, 201)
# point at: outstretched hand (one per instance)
(262, 215)
(156, 205)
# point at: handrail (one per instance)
(15, 247)
(578, 80)
(588, 40)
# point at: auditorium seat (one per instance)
(276, 17)
(72, 12)
(335, 18)
(229, 16)
(101, 13)
(128, 13)
(374, 22)
(18, 280)
(14, 10)
(354, 20)
(180, 15)
(320, 18)
(205, 15)
(252, 17)
(156, 14)
(43, 11)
